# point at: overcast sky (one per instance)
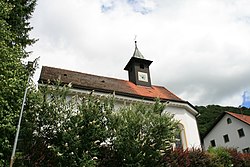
(200, 48)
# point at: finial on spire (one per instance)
(137, 53)
(135, 41)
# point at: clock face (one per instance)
(142, 76)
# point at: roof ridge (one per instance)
(85, 73)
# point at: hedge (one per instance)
(214, 157)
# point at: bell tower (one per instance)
(138, 69)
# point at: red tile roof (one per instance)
(243, 118)
(105, 84)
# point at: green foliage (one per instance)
(208, 115)
(141, 135)
(215, 157)
(220, 157)
(18, 19)
(13, 78)
(59, 129)
(14, 28)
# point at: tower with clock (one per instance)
(138, 69)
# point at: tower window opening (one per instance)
(142, 66)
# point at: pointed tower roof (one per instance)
(137, 56)
(137, 53)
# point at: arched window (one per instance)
(181, 138)
(229, 120)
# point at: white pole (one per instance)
(19, 123)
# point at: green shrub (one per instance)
(87, 131)
(220, 157)
(141, 135)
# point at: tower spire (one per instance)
(137, 53)
(138, 69)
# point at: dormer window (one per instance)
(229, 121)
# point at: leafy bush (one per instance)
(189, 158)
(220, 156)
(197, 157)
(239, 159)
(141, 135)
(87, 131)
(177, 158)
(246, 158)
(59, 129)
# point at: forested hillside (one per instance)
(208, 115)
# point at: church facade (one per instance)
(137, 88)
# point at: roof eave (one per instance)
(133, 59)
(238, 118)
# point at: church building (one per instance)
(138, 87)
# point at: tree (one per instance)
(19, 15)
(13, 74)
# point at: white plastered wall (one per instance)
(188, 120)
